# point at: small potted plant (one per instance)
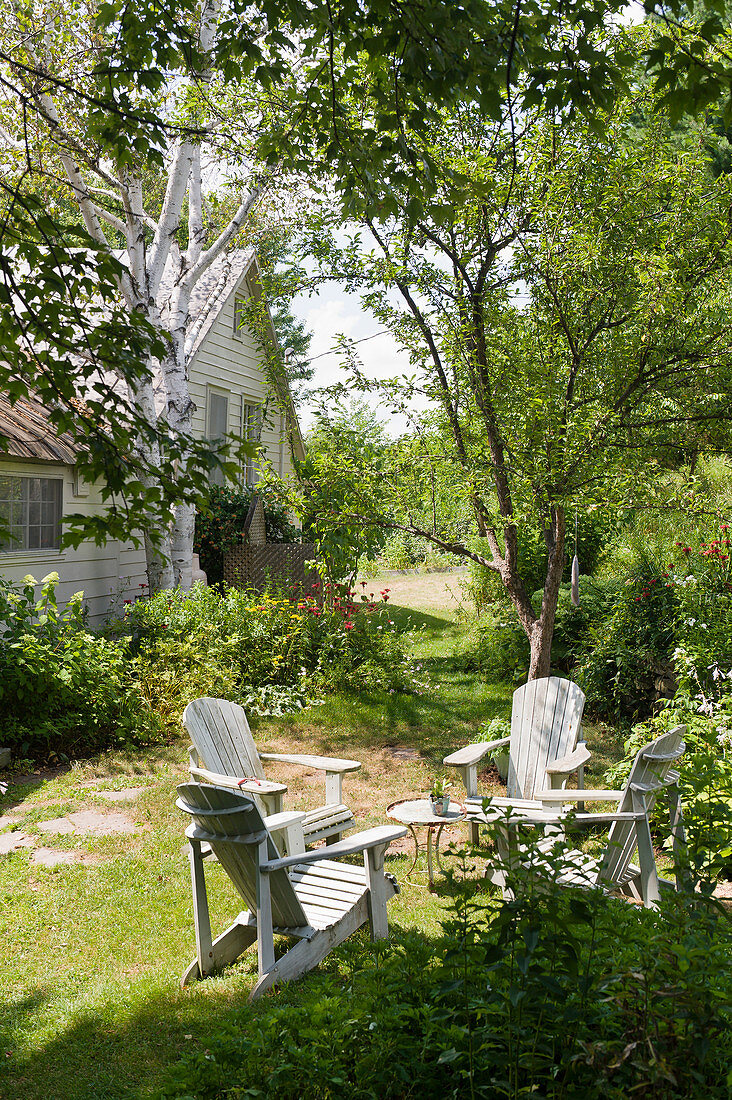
(495, 730)
(439, 798)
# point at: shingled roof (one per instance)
(30, 434)
(209, 293)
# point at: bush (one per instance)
(267, 652)
(553, 995)
(628, 666)
(63, 690)
(660, 609)
(502, 648)
(403, 551)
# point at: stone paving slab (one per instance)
(127, 795)
(90, 822)
(54, 857)
(10, 842)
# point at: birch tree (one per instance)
(144, 198)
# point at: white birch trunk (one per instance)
(169, 553)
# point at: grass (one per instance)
(90, 1006)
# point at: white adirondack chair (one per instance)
(630, 831)
(223, 752)
(309, 896)
(543, 750)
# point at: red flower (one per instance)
(386, 597)
(348, 626)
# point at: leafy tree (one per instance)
(345, 440)
(118, 110)
(563, 296)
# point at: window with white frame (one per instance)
(30, 511)
(240, 316)
(251, 431)
(218, 425)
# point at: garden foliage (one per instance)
(695, 640)
(270, 652)
(557, 994)
(63, 690)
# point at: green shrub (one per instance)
(63, 690)
(558, 995)
(628, 665)
(268, 652)
(502, 648)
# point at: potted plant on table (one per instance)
(439, 798)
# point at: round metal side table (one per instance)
(417, 813)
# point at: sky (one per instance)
(330, 313)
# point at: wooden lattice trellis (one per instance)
(253, 567)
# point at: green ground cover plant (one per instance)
(271, 652)
(557, 995)
(64, 691)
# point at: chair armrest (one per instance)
(471, 754)
(249, 786)
(286, 829)
(623, 815)
(284, 820)
(586, 794)
(361, 842)
(320, 763)
(571, 762)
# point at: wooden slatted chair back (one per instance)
(221, 736)
(222, 815)
(545, 722)
(650, 773)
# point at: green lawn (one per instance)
(90, 1005)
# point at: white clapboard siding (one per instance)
(109, 575)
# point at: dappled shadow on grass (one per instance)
(405, 618)
(109, 1053)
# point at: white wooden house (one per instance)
(231, 393)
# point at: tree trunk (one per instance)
(541, 634)
(179, 417)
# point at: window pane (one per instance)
(239, 316)
(218, 411)
(31, 508)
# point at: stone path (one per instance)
(82, 823)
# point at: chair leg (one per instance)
(378, 892)
(650, 890)
(265, 931)
(307, 953)
(201, 918)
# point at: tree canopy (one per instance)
(562, 296)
